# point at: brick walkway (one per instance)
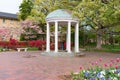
(22, 66)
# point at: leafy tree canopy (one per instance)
(98, 14)
(25, 9)
(42, 8)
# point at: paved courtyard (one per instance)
(34, 66)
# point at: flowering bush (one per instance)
(31, 30)
(4, 44)
(4, 32)
(98, 71)
(36, 43)
(13, 44)
(7, 31)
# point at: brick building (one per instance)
(9, 26)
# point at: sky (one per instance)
(10, 6)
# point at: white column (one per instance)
(48, 38)
(77, 37)
(56, 36)
(67, 40)
(69, 37)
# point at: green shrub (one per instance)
(32, 48)
(105, 48)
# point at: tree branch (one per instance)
(111, 25)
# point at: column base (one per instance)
(69, 51)
(55, 51)
(79, 54)
(47, 51)
(77, 51)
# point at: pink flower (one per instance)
(117, 59)
(81, 67)
(92, 63)
(100, 59)
(106, 65)
(96, 63)
(111, 64)
(112, 61)
(32, 26)
(116, 66)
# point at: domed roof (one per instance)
(59, 14)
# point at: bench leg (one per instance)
(18, 50)
(25, 50)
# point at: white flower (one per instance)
(112, 71)
(114, 78)
(103, 72)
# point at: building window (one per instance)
(3, 20)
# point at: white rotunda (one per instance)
(62, 17)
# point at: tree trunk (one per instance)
(111, 39)
(99, 39)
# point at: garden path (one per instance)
(34, 66)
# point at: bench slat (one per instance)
(19, 49)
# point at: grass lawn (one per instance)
(1, 49)
(32, 49)
(105, 48)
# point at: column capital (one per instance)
(56, 21)
(69, 21)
